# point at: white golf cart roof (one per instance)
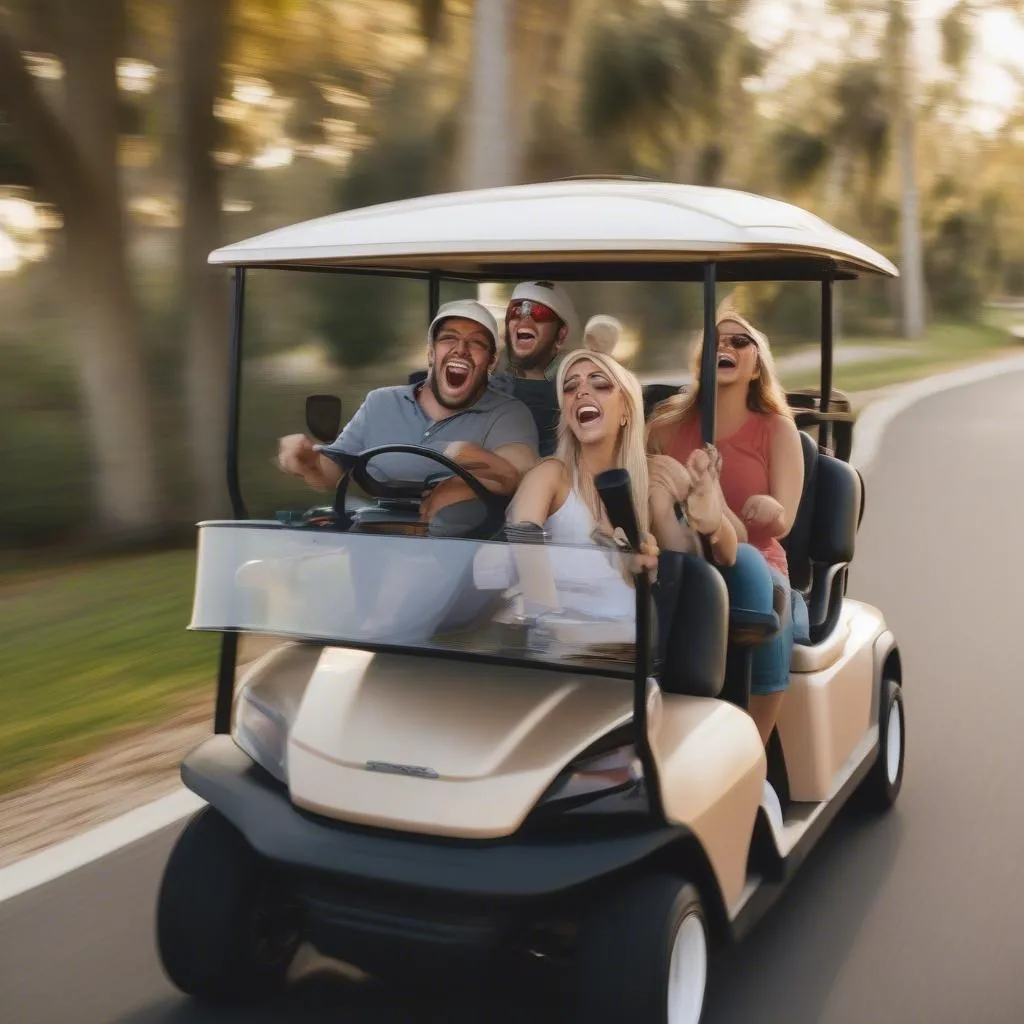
(611, 228)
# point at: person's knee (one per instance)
(749, 581)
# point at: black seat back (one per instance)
(655, 393)
(821, 543)
(693, 625)
(797, 542)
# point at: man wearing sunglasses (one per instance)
(540, 322)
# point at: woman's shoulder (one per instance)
(779, 424)
(663, 434)
(550, 474)
(550, 468)
(772, 423)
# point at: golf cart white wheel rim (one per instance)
(893, 742)
(687, 972)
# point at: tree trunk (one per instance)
(911, 258)
(103, 312)
(488, 157)
(205, 293)
(110, 367)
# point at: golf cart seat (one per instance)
(692, 608)
(655, 393)
(821, 543)
(838, 421)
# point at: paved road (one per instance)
(916, 918)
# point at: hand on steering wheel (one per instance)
(495, 504)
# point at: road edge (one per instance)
(95, 843)
(64, 857)
(876, 416)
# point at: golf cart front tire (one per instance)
(642, 955)
(224, 930)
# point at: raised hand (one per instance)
(761, 510)
(705, 504)
(668, 479)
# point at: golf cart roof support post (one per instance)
(709, 358)
(827, 348)
(225, 682)
(642, 740)
(235, 395)
(433, 295)
(229, 641)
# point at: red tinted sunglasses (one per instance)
(527, 309)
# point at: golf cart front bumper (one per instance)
(366, 891)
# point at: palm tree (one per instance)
(662, 86)
(900, 39)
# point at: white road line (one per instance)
(111, 836)
(80, 850)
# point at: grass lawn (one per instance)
(92, 650)
(944, 347)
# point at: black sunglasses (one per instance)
(736, 341)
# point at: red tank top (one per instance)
(745, 456)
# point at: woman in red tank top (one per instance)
(760, 470)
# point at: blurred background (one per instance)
(138, 135)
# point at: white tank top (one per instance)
(588, 581)
(573, 523)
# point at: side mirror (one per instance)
(323, 417)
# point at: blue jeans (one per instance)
(750, 582)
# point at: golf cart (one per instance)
(459, 751)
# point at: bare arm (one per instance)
(296, 455)
(774, 513)
(739, 527)
(499, 471)
(786, 473)
(539, 493)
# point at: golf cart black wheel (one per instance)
(225, 929)
(882, 785)
(642, 955)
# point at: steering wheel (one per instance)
(355, 466)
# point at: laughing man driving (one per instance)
(454, 411)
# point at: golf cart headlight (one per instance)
(262, 732)
(267, 705)
(596, 776)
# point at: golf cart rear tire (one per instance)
(224, 931)
(882, 785)
(624, 958)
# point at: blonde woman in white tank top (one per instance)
(602, 427)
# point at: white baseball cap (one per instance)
(466, 309)
(555, 297)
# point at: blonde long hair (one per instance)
(630, 452)
(764, 393)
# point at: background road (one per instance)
(913, 918)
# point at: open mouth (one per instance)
(725, 360)
(525, 337)
(456, 373)
(587, 414)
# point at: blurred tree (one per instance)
(411, 154)
(663, 86)
(202, 42)
(841, 144)
(73, 145)
(899, 54)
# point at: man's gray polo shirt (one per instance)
(393, 416)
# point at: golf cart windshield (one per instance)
(564, 606)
